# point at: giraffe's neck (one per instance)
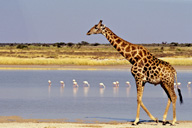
(114, 39)
(125, 48)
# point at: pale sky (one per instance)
(137, 21)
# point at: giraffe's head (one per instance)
(97, 29)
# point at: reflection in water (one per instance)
(101, 90)
(75, 90)
(49, 89)
(115, 91)
(86, 90)
(61, 90)
(189, 91)
(128, 91)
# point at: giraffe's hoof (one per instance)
(165, 122)
(156, 120)
(135, 123)
(172, 124)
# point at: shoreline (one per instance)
(18, 122)
(77, 67)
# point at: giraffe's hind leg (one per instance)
(174, 98)
(171, 98)
(166, 111)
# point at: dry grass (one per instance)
(179, 61)
(86, 55)
(62, 61)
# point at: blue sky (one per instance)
(137, 21)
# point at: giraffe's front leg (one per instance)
(138, 113)
(148, 113)
(139, 100)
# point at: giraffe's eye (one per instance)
(95, 26)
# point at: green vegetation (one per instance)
(84, 53)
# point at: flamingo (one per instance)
(179, 84)
(86, 84)
(114, 84)
(128, 84)
(49, 81)
(189, 84)
(62, 83)
(75, 85)
(117, 83)
(101, 85)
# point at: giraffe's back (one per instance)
(153, 70)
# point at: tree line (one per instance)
(85, 43)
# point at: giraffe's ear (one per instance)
(103, 26)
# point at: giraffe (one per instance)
(145, 68)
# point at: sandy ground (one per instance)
(18, 122)
(83, 125)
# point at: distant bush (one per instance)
(174, 43)
(95, 44)
(188, 44)
(60, 44)
(84, 43)
(70, 44)
(21, 46)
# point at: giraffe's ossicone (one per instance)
(145, 68)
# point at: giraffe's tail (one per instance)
(178, 89)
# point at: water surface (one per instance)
(26, 93)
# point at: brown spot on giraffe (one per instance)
(141, 64)
(115, 45)
(127, 55)
(127, 49)
(123, 44)
(115, 37)
(134, 53)
(140, 53)
(145, 68)
(133, 47)
(118, 40)
(145, 60)
(145, 52)
(118, 49)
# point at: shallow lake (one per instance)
(26, 93)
